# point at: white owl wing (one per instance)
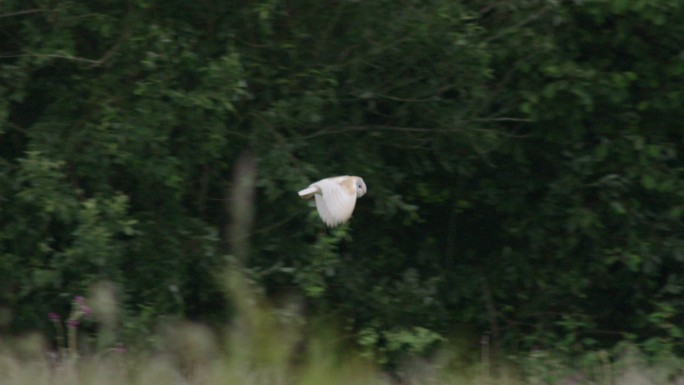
(335, 204)
(308, 192)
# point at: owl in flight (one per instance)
(335, 197)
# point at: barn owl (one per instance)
(335, 197)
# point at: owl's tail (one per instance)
(309, 192)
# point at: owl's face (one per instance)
(360, 187)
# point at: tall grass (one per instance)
(199, 366)
(267, 345)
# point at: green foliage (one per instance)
(523, 163)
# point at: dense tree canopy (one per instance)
(523, 161)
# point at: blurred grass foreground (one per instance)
(266, 344)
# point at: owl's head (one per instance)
(360, 187)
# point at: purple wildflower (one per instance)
(73, 323)
(80, 301)
(53, 316)
(120, 348)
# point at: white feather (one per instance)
(309, 191)
(335, 205)
(335, 197)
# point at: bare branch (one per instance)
(376, 128)
(19, 13)
(55, 56)
(94, 62)
(501, 119)
(515, 27)
(110, 52)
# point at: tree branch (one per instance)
(94, 62)
(346, 129)
(54, 56)
(19, 13)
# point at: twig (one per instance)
(25, 12)
(516, 27)
(341, 130)
(267, 228)
(95, 62)
(54, 56)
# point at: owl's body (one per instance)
(335, 197)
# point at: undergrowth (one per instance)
(268, 345)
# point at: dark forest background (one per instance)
(523, 162)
